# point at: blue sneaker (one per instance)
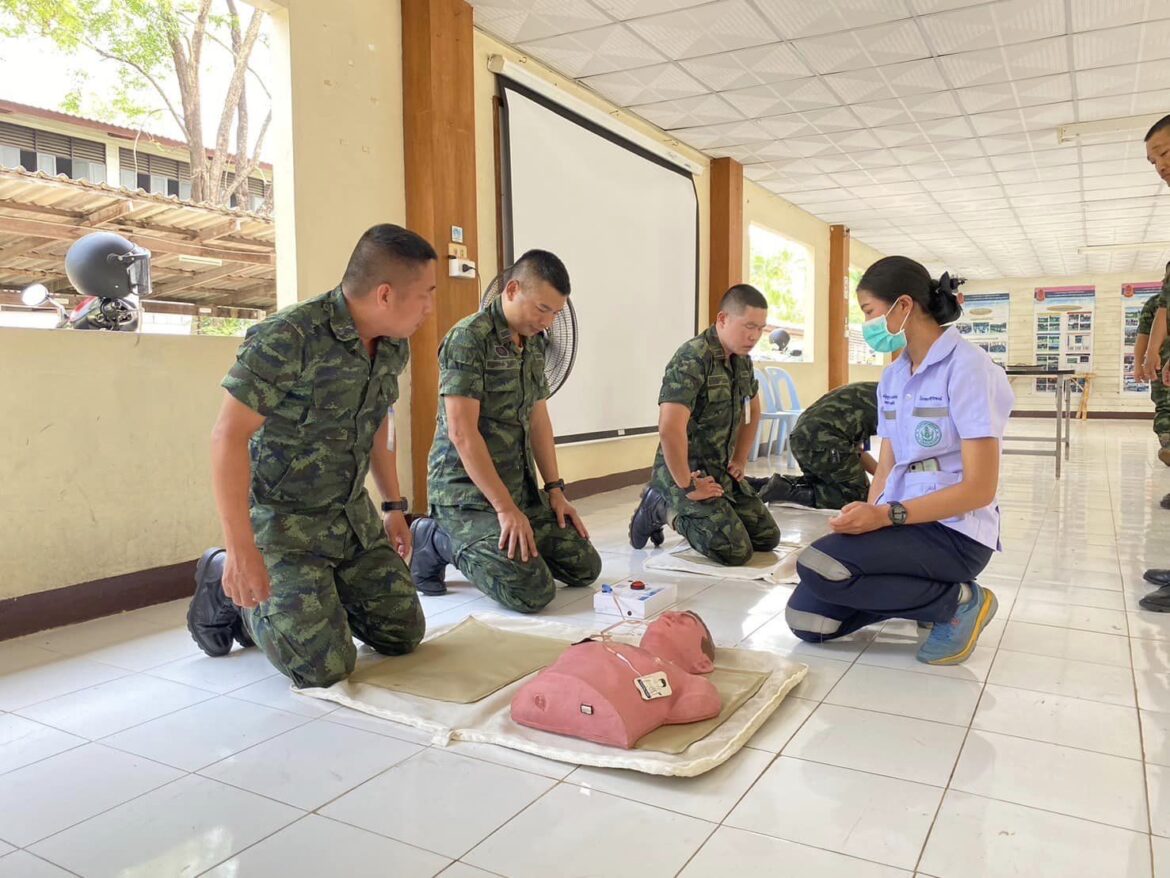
(951, 642)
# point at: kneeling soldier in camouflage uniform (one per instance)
(829, 442)
(309, 410)
(708, 409)
(488, 516)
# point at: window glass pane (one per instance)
(783, 270)
(860, 354)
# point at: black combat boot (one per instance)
(431, 555)
(212, 618)
(1157, 601)
(757, 482)
(788, 489)
(648, 519)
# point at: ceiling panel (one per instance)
(929, 126)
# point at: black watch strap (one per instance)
(395, 505)
(552, 486)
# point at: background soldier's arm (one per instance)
(245, 578)
(868, 463)
(463, 430)
(1157, 336)
(1140, 346)
(747, 435)
(544, 446)
(384, 464)
(885, 464)
(672, 432)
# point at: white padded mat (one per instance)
(489, 720)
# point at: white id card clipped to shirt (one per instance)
(747, 409)
(390, 432)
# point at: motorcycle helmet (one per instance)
(107, 266)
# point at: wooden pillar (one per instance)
(439, 124)
(838, 306)
(727, 241)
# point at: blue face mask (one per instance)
(877, 335)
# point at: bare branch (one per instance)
(248, 169)
(215, 38)
(147, 76)
(232, 99)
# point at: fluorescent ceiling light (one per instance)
(1141, 247)
(1070, 132)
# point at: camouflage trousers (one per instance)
(726, 529)
(523, 586)
(1160, 394)
(833, 472)
(318, 605)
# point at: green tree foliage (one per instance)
(158, 46)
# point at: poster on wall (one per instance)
(1064, 332)
(985, 323)
(1133, 299)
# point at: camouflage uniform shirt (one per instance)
(478, 360)
(1146, 320)
(307, 372)
(714, 387)
(845, 417)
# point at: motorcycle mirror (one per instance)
(34, 295)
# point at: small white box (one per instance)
(631, 603)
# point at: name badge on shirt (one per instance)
(390, 432)
(747, 409)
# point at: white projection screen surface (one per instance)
(626, 226)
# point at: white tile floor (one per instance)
(123, 751)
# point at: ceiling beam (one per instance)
(12, 300)
(70, 232)
(169, 288)
(227, 227)
(109, 213)
(20, 248)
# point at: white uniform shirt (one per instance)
(957, 393)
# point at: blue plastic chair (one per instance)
(780, 382)
(769, 415)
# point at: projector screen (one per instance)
(625, 222)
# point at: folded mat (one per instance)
(463, 664)
(488, 720)
(776, 567)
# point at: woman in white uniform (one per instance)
(931, 523)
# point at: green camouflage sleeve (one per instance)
(461, 365)
(268, 365)
(755, 385)
(1146, 320)
(683, 380)
(542, 389)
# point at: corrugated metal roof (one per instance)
(40, 216)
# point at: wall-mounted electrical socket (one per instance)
(457, 251)
(460, 268)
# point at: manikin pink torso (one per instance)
(590, 693)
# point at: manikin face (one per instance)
(738, 333)
(532, 307)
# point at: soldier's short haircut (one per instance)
(1161, 125)
(544, 266)
(382, 250)
(741, 297)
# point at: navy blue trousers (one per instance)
(909, 572)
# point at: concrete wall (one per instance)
(1108, 338)
(106, 466)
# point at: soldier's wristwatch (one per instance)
(552, 486)
(395, 505)
(898, 514)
